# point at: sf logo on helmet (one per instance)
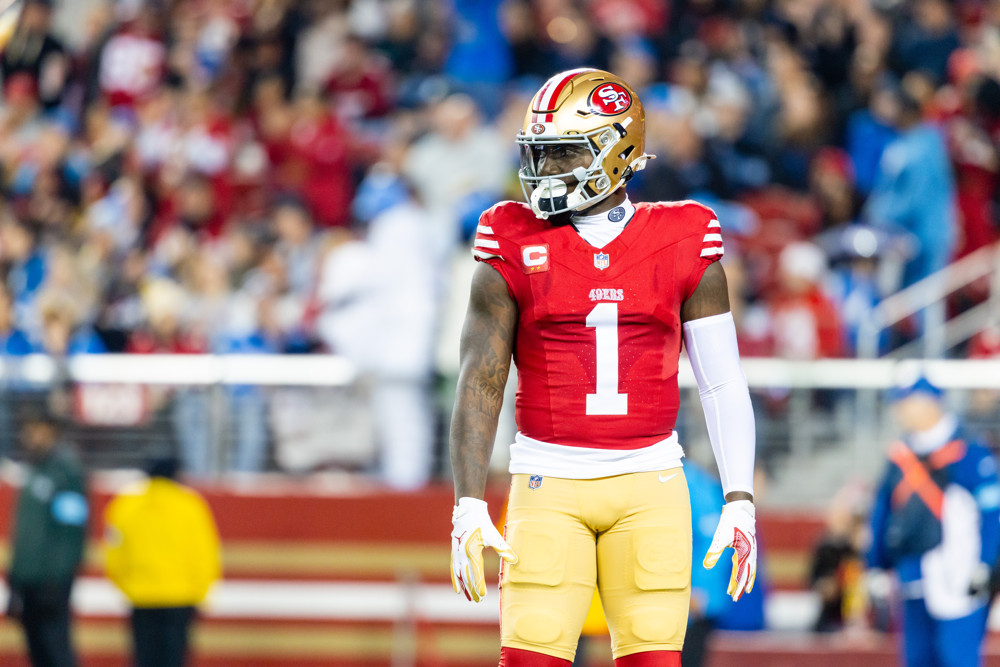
(610, 99)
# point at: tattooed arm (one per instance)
(487, 343)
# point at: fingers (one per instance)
(738, 579)
(735, 589)
(712, 557)
(459, 586)
(508, 555)
(473, 579)
(468, 574)
(719, 544)
(743, 576)
(476, 585)
(464, 581)
(503, 549)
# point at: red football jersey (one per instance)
(599, 330)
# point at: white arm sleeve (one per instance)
(725, 397)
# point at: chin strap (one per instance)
(552, 197)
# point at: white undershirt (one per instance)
(601, 229)
(535, 457)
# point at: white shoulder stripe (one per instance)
(483, 229)
(486, 243)
(713, 224)
(484, 255)
(712, 237)
(712, 252)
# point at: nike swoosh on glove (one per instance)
(737, 529)
(472, 531)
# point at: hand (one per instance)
(737, 529)
(472, 531)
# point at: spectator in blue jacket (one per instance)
(936, 522)
(708, 598)
(914, 190)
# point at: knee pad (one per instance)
(654, 608)
(662, 561)
(541, 564)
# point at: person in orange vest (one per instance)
(936, 523)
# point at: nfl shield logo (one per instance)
(601, 260)
(534, 481)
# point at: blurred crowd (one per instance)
(293, 176)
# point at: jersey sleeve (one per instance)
(703, 246)
(492, 248)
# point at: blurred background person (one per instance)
(914, 189)
(381, 301)
(806, 324)
(708, 601)
(161, 549)
(47, 545)
(164, 303)
(459, 157)
(837, 572)
(34, 50)
(914, 192)
(936, 523)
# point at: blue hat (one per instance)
(921, 386)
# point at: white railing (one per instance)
(184, 369)
(334, 371)
(929, 295)
(325, 396)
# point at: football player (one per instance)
(592, 295)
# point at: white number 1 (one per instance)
(606, 400)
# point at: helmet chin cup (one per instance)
(550, 197)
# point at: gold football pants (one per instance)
(630, 535)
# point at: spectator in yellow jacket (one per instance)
(162, 550)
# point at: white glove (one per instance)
(737, 529)
(472, 531)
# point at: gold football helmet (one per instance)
(589, 108)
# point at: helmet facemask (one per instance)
(550, 194)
